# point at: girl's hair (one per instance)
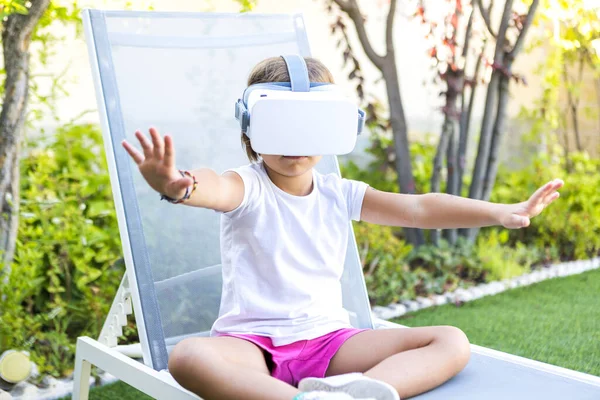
(274, 69)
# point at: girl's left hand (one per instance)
(518, 215)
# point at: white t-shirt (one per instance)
(283, 257)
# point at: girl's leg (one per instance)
(412, 360)
(226, 368)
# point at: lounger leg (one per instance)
(81, 379)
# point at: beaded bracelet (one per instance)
(187, 194)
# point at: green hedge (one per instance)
(67, 263)
(570, 228)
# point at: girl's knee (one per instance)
(458, 345)
(187, 355)
(179, 358)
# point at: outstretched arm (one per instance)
(443, 211)
(157, 165)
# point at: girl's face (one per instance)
(290, 166)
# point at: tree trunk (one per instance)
(498, 134)
(485, 138)
(9, 219)
(575, 122)
(406, 181)
(503, 61)
(387, 65)
(481, 162)
(452, 171)
(438, 161)
(465, 125)
(455, 86)
(597, 86)
(573, 106)
(480, 168)
(16, 36)
(563, 127)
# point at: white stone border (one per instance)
(461, 295)
(52, 388)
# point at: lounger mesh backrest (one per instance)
(182, 73)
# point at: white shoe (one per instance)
(327, 396)
(357, 385)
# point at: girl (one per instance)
(284, 230)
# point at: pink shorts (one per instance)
(303, 359)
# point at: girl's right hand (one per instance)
(157, 164)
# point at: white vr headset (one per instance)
(299, 118)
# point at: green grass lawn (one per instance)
(556, 321)
(114, 391)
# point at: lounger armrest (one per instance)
(158, 384)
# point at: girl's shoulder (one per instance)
(253, 172)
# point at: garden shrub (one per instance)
(383, 256)
(569, 229)
(67, 263)
(500, 261)
(395, 271)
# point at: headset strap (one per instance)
(298, 72)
